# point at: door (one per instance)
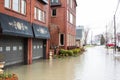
(37, 49)
(12, 50)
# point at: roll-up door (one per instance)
(12, 50)
(37, 49)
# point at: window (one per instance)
(74, 21)
(67, 15)
(61, 39)
(16, 5)
(71, 3)
(71, 18)
(68, 2)
(53, 12)
(54, 1)
(39, 14)
(7, 3)
(35, 13)
(23, 7)
(43, 16)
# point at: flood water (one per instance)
(96, 63)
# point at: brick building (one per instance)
(24, 30)
(62, 23)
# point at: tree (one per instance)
(86, 31)
(102, 40)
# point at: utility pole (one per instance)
(115, 32)
(114, 18)
(91, 37)
(106, 37)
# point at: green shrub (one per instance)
(70, 52)
(82, 49)
(75, 51)
(63, 52)
(78, 50)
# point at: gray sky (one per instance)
(95, 14)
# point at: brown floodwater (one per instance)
(96, 63)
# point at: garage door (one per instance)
(12, 49)
(37, 49)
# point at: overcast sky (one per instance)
(95, 13)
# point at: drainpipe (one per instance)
(48, 40)
(65, 26)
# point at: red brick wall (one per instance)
(43, 7)
(61, 20)
(30, 4)
(16, 14)
(29, 11)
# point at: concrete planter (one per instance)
(2, 64)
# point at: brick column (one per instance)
(47, 49)
(29, 59)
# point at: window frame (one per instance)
(54, 1)
(25, 6)
(60, 39)
(8, 3)
(19, 6)
(39, 15)
(68, 15)
(71, 18)
(53, 12)
(35, 13)
(68, 2)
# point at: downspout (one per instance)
(48, 40)
(65, 25)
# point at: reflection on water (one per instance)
(95, 64)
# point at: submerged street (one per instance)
(97, 63)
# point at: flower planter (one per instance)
(9, 77)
